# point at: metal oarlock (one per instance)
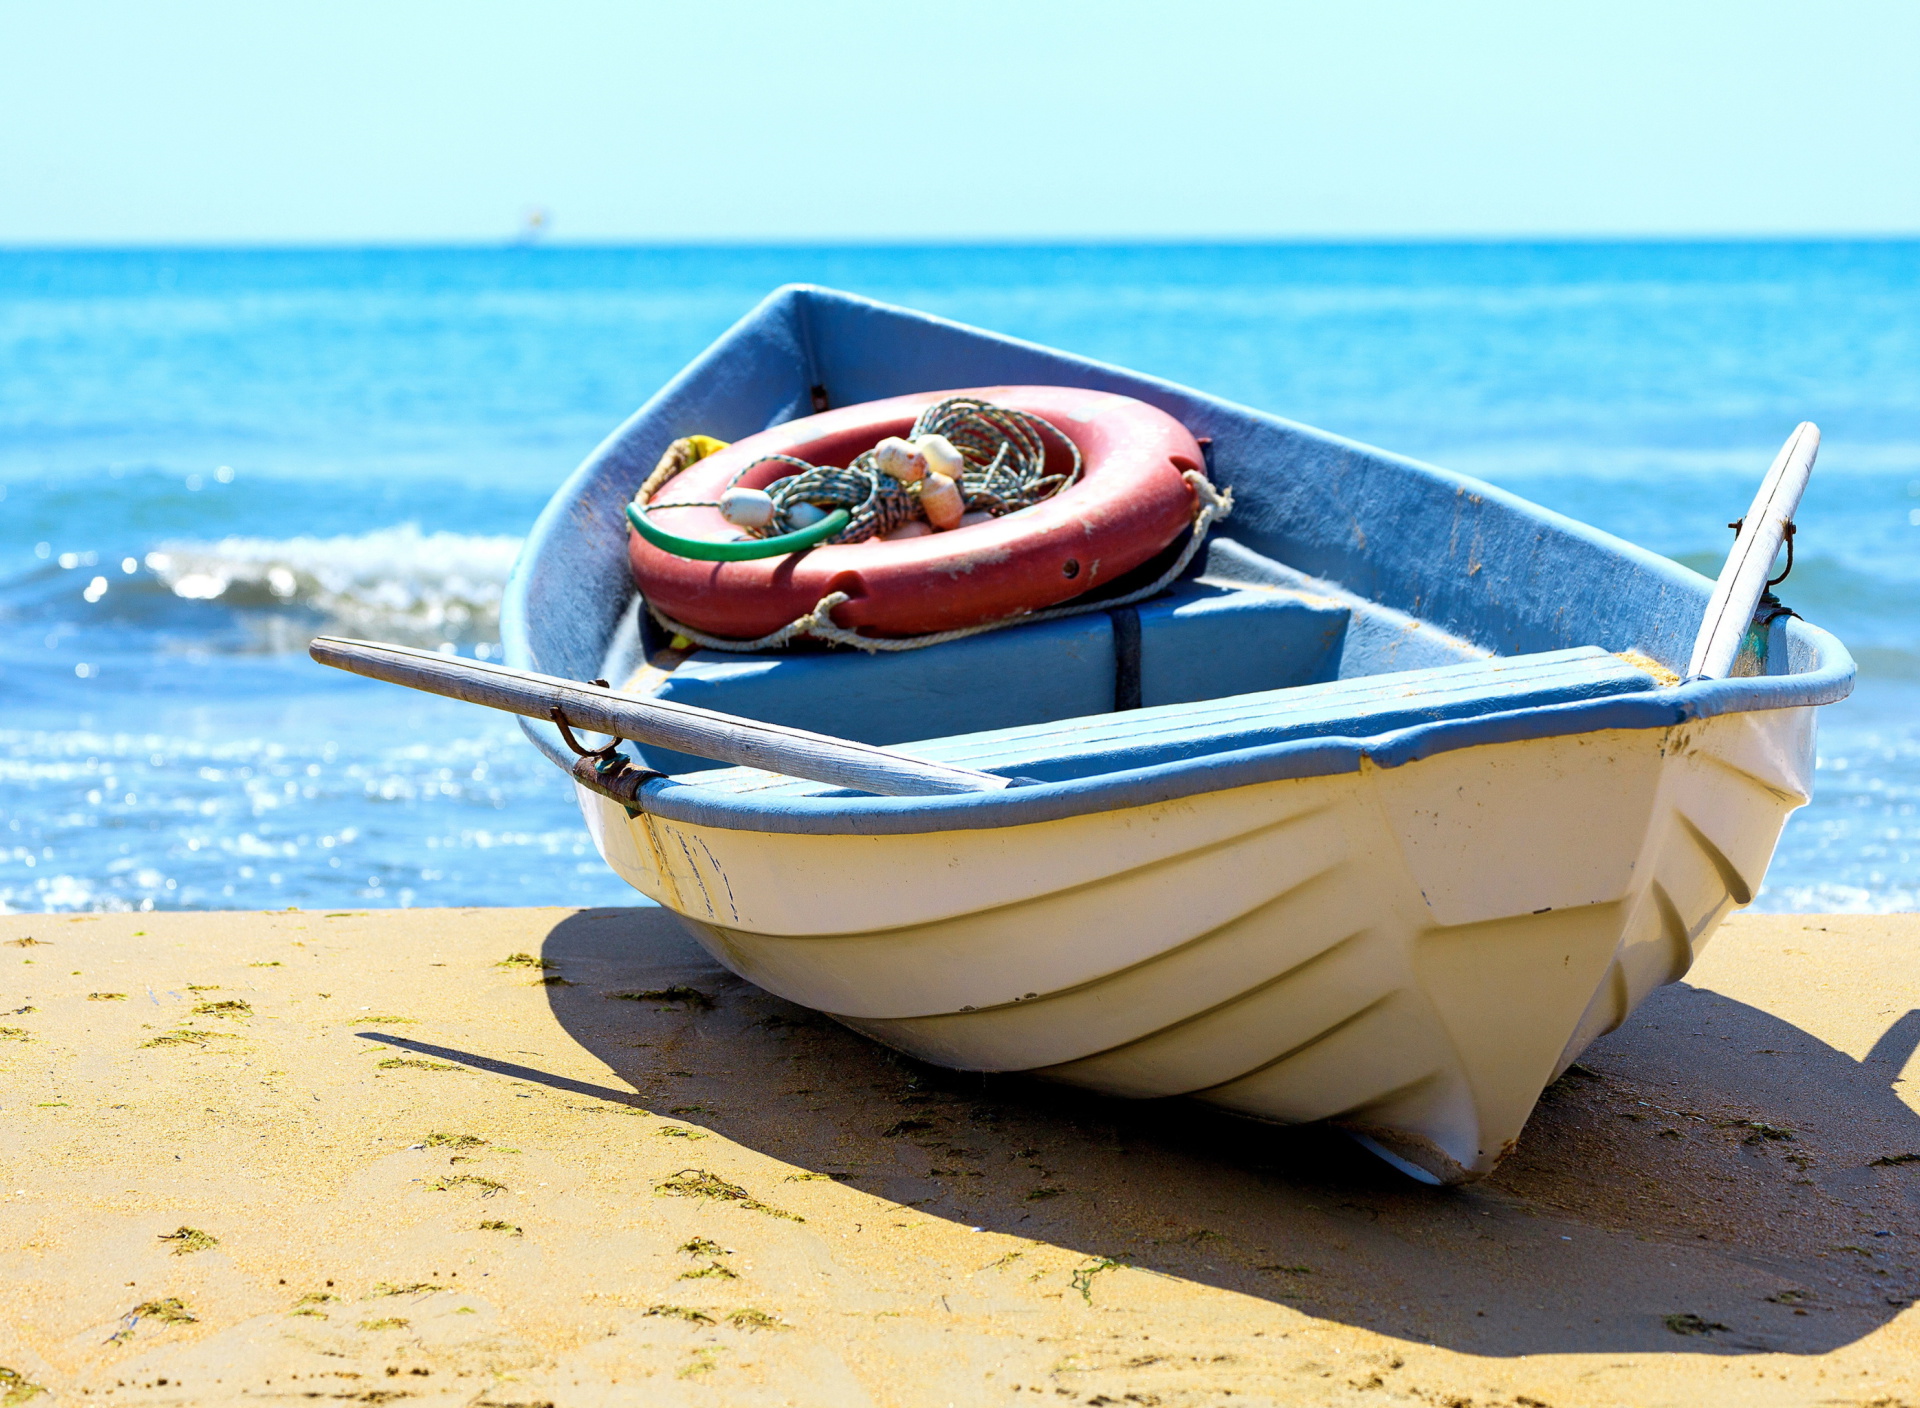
(606, 769)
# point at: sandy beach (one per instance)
(548, 1156)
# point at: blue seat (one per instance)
(1201, 640)
(1356, 708)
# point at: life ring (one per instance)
(1130, 502)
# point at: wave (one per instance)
(396, 583)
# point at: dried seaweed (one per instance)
(171, 1311)
(184, 1036)
(190, 1239)
(16, 1388)
(698, 1183)
(681, 1312)
(750, 1319)
(487, 1186)
(226, 1007)
(677, 995)
(1688, 1323)
(1083, 1275)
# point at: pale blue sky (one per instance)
(219, 122)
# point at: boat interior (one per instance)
(1350, 592)
(1242, 651)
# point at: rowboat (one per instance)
(1402, 794)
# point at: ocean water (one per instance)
(207, 457)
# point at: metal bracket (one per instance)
(607, 770)
(1786, 571)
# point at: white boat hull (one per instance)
(1413, 952)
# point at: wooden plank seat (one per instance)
(1365, 707)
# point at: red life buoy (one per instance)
(1130, 502)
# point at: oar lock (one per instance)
(1787, 535)
(606, 769)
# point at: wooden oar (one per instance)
(1742, 581)
(704, 733)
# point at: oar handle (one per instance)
(705, 733)
(1742, 581)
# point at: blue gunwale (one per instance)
(1480, 562)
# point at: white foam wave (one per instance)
(396, 582)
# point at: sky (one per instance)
(411, 121)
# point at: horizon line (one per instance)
(801, 243)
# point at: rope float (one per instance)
(962, 455)
(839, 527)
(817, 624)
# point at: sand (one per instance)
(374, 1157)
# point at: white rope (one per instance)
(1211, 506)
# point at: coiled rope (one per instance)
(1210, 506)
(1006, 470)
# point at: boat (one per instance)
(1400, 794)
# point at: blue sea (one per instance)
(206, 457)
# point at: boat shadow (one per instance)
(1710, 1179)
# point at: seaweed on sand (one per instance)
(679, 994)
(698, 1183)
(701, 1363)
(681, 1312)
(1083, 1275)
(227, 1007)
(16, 1388)
(487, 1186)
(190, 1239)
(171, 1311)
(1690, 1324)
(184, 1036)
(751, 1319)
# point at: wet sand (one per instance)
(377, 1158)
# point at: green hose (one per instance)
(711, 550)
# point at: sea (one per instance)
(208, 456)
